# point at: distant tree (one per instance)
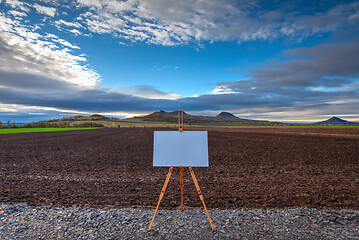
(90, 124)
(8, 123)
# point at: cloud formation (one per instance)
(321, 79)
(286, 89)
(52, 93)
(50, 11)
(174, 22)
(40, 70)
(24, 51)
(180, 22)
(326, 66)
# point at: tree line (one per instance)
(65, 124)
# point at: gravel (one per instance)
(47, 222)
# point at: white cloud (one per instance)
(23, 50)
(75, 31)
(222, 89)
(29, 35)
(90, 3)
(53, 2)
(66, 43)
(17, 13)
(18, 5)
(7, 108)
(68, 24)
(14, 3)
(45, 10)
(6, 23)
(149, 92)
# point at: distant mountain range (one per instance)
(222, 119)
(335, 121)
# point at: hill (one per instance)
(94, 117)
(226, 116)
(335, 121)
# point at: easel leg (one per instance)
(161, 195)
(181, 176)
(200, 194)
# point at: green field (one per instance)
(26, 130)
(294, 127)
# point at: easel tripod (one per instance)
(180, 128)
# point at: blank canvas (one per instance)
(187, 148)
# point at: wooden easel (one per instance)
(180, 129)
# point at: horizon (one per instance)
(291, 62)
(44, 120)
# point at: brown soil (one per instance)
(249, 168)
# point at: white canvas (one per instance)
(187, 148)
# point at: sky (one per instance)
(290, 61)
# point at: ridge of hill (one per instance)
(222, 119)
(335, 121)
(93, 117)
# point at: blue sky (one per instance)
(291, 61)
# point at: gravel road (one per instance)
(47, 222)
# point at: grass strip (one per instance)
(27, 130)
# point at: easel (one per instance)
(180, 129)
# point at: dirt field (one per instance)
(249, 168)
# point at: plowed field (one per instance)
(249, 168)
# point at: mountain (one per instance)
(335, 121)
(222, 119)
(172, 117)
(227, 116)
